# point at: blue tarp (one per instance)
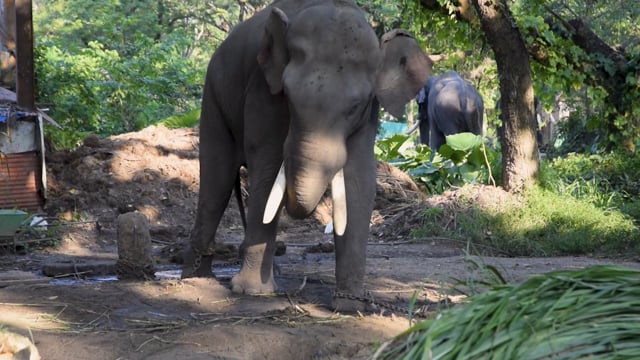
(388, 128)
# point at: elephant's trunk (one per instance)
(304, 191)
(304, 177)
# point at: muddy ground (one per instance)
(78, 315)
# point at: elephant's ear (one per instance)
(273, 56)
(405, 67)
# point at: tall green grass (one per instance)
(609, 180)
(585, 204)
(538, 222)
(547, 223)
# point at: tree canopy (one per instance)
(108, 66)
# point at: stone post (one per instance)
(135, 261)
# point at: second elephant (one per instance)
(447, 105)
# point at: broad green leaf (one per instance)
(464, 141)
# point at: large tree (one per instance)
(519, 149)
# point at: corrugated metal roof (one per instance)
(19, 176)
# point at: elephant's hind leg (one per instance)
(218, 173)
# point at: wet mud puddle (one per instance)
(164, 273)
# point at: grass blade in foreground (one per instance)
(590, 313)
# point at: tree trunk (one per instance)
(519, 149)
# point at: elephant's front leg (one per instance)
(256, 273)
(351, 248)
(266, 127)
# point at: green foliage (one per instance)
(571, 314)
(584, 79)
(108, 67)
(97, 91)
(578, 133)
(539, 223)
(383, 15)
(187, 119)
(461, 160)
(610, 180)
(560, 68)
(586, 204)
(131, 63)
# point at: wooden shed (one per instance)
(22, 166)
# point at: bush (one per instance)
(98, 91)
(610, 180)
(462, 160)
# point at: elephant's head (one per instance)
(331, 68)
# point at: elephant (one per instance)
(293, 94)
(448, 104)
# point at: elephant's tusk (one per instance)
(413, 128)
(275, 197)
(339, 195)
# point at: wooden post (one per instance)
(8, 38)
(24, 53)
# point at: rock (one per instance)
(81, 267)
(92, 141)
(135, 261)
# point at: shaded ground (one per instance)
(154, 172)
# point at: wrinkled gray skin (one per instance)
(450, 105)
(298, 84)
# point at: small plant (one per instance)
(463, 159)
(412, 306)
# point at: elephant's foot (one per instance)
(195, 265)
(249, 282)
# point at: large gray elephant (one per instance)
(293, 93)
(447, 105)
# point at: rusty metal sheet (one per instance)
(19, 181)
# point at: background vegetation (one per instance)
(109, 66)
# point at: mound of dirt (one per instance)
(153, 171)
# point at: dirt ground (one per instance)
(60, 290)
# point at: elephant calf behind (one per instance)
(448, 104)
